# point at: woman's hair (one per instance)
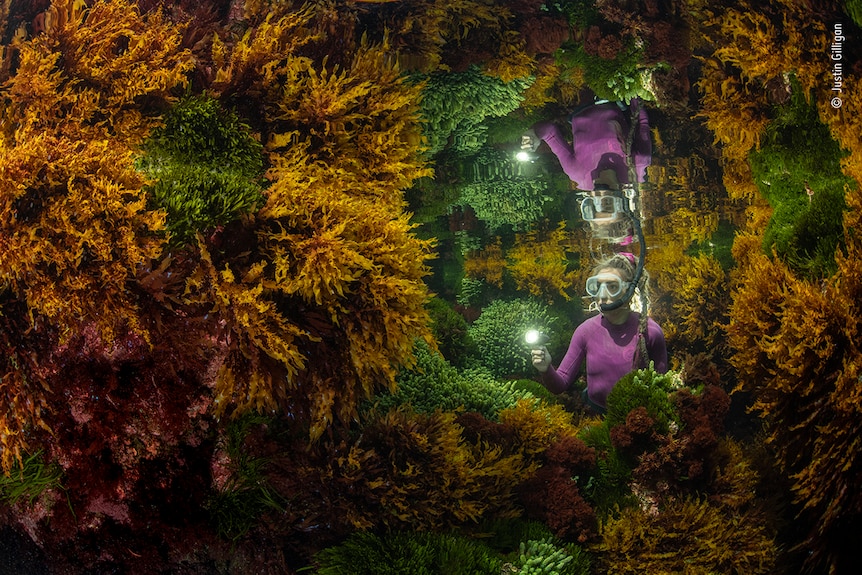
(625, 265)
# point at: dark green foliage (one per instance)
(579, 13)
(501, 190)
(206, 167)
(506, 535)
(609, 488)
(798, 154)
(245, 496)
(434, 384)
(499, 332)
(642, 388)
(454, 105)
(546, 557)
(718, 245)
(536, 389)
(854, 10)
(526, 544)
(29, 479)
(450, 330)
(517, 203)
(405, 553)
(619, 79)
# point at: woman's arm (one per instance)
(642, 144)
(558, 380)
(656, 346)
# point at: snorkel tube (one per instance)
(639, 268)
(636, 223)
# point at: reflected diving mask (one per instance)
(606, 286)
(602, 207)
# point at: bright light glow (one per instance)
(522, 156)
(532, 337)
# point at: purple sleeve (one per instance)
(656, 346)
(565, 153)
(558, 380)
(642, 145)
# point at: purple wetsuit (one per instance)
(599, 136)
(609, 351)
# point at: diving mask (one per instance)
(601, 207)
(606, 286)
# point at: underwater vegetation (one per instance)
(498, 333)
(220, 347)
(204, 162)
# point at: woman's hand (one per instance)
(541, 358)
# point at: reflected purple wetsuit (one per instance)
(599, 135)
(609, 351)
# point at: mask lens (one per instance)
(588, 209)
(607, 204)
(605, 286)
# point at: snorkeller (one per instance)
(612, 343)
(607, 160)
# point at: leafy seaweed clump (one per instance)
(206, 166)
(643, 388)
(433, 383)
(501, 190)
(687, 536)
(798, 170)
(499, 332)
(545, 557)
(610, 488)
(450, 330)
(408, 553)
(28, 479)
(621, 78)
(245, 494)
(454, 106)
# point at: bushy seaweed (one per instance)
(407, 553)
(206, 167)
(433, 383)
(454, 105)
(620, 78)
(545, 557)
(28, 479)
(499, 332)
(450, 330)
(609, 488)
(798, 170)
(643, 388)
(244, 496)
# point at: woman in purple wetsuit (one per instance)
(600, 139)
(612, 344)
(606, 139)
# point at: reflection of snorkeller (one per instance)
(599, 139)
(603, 159)
(608, 212)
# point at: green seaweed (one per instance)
(621, 78)
(798, 155)
(610, 488)
(205, 165)
(28, 479)
(450, 331)
(434, 384)
(455, 104)
(498, 334)
(643, 388)
(246, 496)
(407, 553)
(546, 557)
